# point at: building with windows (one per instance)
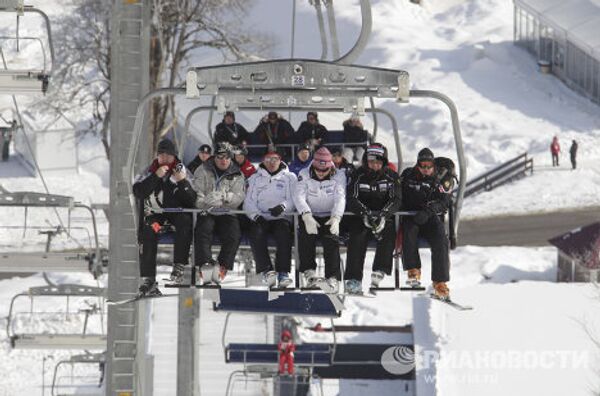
(564, 35)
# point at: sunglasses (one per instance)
(222, 157)
(322, 170)
(272, 159)
(426, 166)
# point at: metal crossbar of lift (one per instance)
(26, 81)
(93, 382)
(295, 215)
(82, 340)
(259, 373)
(93, 259)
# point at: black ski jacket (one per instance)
(421, 193)
(307, 131)
(374, 191)
(233, 134)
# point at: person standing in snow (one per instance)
(573, 153)
(219, 184)
(268, 204)
(164, 184)
(374, 195)
(320, 198)
(423, 192)
(555, 150)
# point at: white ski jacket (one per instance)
(323, 198)
(266, 191)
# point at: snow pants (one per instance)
(357, 248)
(150, 230)
(434, 232)
(307, 246)
(286, 359)
(555, 159)
(281, 230)
(227, 228)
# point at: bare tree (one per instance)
(179, 28)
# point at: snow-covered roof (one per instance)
(578, 19)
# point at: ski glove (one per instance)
(310, 224)
(334, 225)
(422, 216)
(214, 199)
(276, 210)
(261, 221)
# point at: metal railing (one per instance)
(502, 174)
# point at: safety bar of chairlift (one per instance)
(296, 224)
(9, 334)
(373, 110)
(93, 360)
(281, 379)
(39, 40)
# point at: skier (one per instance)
(340, 162)
(302, 160)
(555, 150)
(354, 132)
(286, 349)
(219, 184)
(268, 203)
(311, 132)
(573, 152)
(230, 131)
(320, 198)
(273, 130)
(204, 153)
(164, 184)
(374, 194)
(240, 155)
(424, 190)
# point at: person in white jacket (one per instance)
(320, 198)
(268, 203)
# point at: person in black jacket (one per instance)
(354, 132)
(273, 130)
(374, 194)
(204, 153)
(423, 192)
(573, 152)
(230, 131)
(164, 184)
(311, 132)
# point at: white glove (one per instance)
(214, 199)
(334, 225)
(310, 223)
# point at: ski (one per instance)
(451, 303)
(138, 298)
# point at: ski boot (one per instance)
(414, 277)
(206, 273)
(149, 288)
(330, 285)
(353, 286)
(269, 278)
(176, 276)
(219, 273)
(376, 278)
(283, 280)
(310, 279)
(441, 291)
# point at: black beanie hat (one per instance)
(205, 148)
(230, 114)
(425, 155)
(166, 146)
